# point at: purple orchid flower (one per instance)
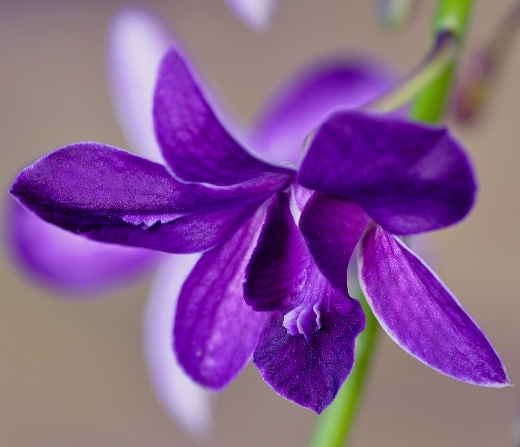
(255, 13)
(362, 177)
(76, 265)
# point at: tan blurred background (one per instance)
(72, 374)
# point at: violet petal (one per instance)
(113, 196)
(215, 330)
(309, 369)
(408, 177)
(194, 143)
(421, 315)
(69, 264)
(278, 267)
(137, 41)
(332, 228)
(307, 99)
(188, 403)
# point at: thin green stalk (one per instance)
(336, 424)
(443, 56)
(452, 16)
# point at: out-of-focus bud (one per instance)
(478, 79)
(394, 14)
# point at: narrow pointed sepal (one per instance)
(421, 315)
(111, 195)
(215, 330)
(194, 141)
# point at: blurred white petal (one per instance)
(188, 403)
(137, 41)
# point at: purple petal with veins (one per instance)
(421, 315)
(215, 330)
(194, 143)
(113, 196)
(408, 177)
(306, 354)
(306, 348)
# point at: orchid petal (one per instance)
(332, 228)
(110, 195)
(70, 264)
(306, 347)
(215, 330)
(278, 267)
(309, 368)
(188, 403)
(137, 41)
(408, 177)
(255, 13)
(307, 99)
(194, 143)
(421, 315)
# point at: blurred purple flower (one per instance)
(373, 176)
(255, 13)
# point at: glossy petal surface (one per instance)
(406, 176)
(193, 140)
(304, 101)
(137, 41)
(332, 228)
(71, 264)
(188, 403)
(114, 196)
(309, 368)
(215, 330)
(421, 315)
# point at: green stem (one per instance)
(442, 57)
(336, 424)
(452, 16)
